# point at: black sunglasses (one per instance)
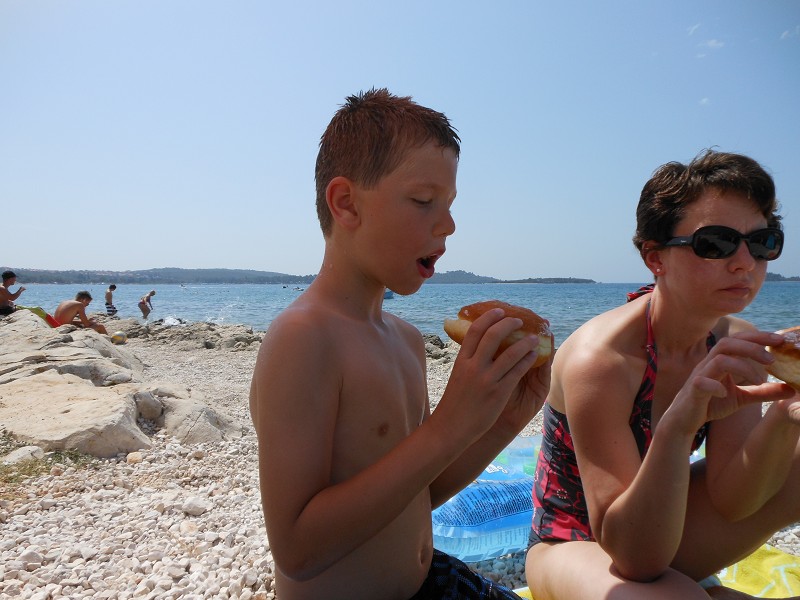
(718, 241)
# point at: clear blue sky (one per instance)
(183, 133)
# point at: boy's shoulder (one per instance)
(321, 324)
(409, 331)
(304, 320)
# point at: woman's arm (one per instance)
(625, 496)
(749, 457)
(625, 501)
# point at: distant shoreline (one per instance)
(244, 276)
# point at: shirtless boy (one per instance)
(6, 297)
(351, 459)
(73, 312)
(111, 310)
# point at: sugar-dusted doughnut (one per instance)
(532, 324)
(787, 357)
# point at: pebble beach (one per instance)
(172, 521)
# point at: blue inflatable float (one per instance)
(492, 516)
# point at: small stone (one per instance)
(134, 458)
(195, 506)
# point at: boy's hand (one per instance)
(483, 391)
(526, 400)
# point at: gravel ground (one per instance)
(219, 377)
(172, 521)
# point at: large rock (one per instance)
(58, 412)
(181, 335)
(70, 388)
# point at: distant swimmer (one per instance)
(73, 312)
(146, 304)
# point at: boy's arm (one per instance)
(523, 404)
(313, 521)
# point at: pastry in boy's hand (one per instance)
(787, 357)
(532, 324)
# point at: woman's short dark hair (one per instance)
(674, 186)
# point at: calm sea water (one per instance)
(567, 306)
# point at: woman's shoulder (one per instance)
(606, 353)
(615, 329)
(607, 342)
(730, 325)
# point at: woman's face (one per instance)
(721, 285)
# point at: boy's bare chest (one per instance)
(383, 396)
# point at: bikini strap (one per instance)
(650, 346)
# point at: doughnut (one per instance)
(532, 324)
(787, 357)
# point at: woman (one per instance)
(619, 512)
(146, 304)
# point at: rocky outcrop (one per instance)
(182, 335)
(71, 388)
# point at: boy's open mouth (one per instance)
(426, 265)
(428, 261)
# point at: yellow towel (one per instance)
(767, 573)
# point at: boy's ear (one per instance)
(341, 198)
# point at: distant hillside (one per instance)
(776, 277)
(466, 277)
(234, 276)
(551, 280)
(153, 276)
(460, 277)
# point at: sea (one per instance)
(565, 305)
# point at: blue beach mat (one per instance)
(492, 517)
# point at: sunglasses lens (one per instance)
(766, 244)
(715, 244)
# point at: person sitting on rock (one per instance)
(73, 312)
(6, 297)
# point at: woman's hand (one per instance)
(730, 377)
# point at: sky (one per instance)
(140, 134)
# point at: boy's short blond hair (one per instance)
(368, 138)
